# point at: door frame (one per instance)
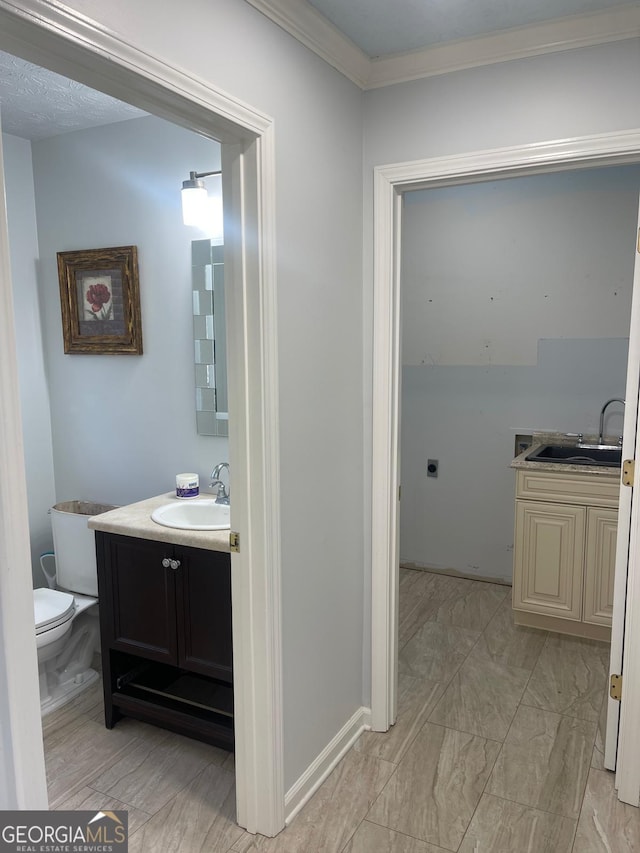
(69, 43)
(22, 769)
(390, 182)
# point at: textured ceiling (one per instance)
(382, 27)
(36, 103)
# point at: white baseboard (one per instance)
(308, 783)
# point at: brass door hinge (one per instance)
(628, 472)
(234, 541)
(615, 690)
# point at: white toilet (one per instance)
(66, 620)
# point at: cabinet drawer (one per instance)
(583, 490)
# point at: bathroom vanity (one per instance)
(165, 621)
(564, 549)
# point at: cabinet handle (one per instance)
(175, 564)
(166, 562)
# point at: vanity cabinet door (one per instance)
(204, 613)
(137, 597)
(549, 558)
(602, 526)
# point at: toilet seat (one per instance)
(52, 608)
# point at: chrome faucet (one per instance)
(224, 492)
(604, 408)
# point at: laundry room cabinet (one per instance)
(564, 551)
(165, 616)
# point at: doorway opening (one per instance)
(390, 184)
(71, 46)
(516, 304)
(516, 313)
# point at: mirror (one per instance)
(209, 334)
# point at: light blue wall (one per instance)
(467, 417)
(523, 102)
(317, 117)
(517, 299)
(124, 425)
(34, 392)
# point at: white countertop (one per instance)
(135, 520)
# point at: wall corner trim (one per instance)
(310, 28)
(308, 783)
(301, 20)
(517, 43)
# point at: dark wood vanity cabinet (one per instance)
(165, 618)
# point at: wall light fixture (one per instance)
(197, 205)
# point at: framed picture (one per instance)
(100, 298)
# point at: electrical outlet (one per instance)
(432, 467)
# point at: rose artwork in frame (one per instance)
(100, 299)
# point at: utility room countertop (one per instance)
(540, 439)
(135, 520)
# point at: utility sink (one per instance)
(572, 455)
(203, 514)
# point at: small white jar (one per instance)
(187, 485)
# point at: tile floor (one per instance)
(497, 749)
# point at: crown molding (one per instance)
(301, 20)
(308, 26)
(550, 37)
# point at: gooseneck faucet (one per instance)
(224, 492)
(604, 409)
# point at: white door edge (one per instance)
(628, 764)
(22, 771)
(624, 555)
(626, 662)
(72, 44)
(389, 180)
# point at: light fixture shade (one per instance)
(194, 202)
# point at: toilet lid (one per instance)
(51, 608)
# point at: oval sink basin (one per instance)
(203, 514)
(572, 455)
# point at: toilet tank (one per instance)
(74, 545)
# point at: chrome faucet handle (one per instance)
(222, 496)
(577, 435)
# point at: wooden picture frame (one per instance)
(100, 299)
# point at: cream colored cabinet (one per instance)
(564, 551)
(600, 556)
(550, 556)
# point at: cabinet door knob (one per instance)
(175, 564)
(166, 562)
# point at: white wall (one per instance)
(34, 392)
(555, 96)
(124, 425)
(516, 300)
(318, 133)
(516, 306)
(579, 92)
(467, 418)
(489, 269)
